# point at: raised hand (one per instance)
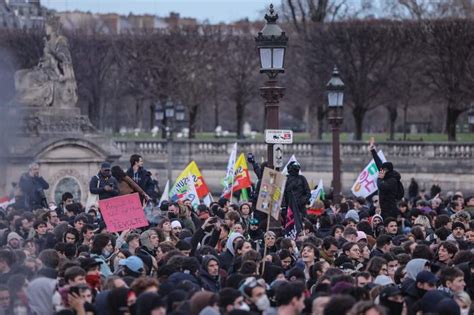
(371, 144)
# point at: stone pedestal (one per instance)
(64, 142)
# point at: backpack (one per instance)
(400, 190)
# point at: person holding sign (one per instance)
(388, 183)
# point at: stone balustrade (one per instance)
(450, 165)
(455, 150)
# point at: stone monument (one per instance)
(45, 125)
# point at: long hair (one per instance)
(118, 173)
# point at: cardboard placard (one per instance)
(271, 192)
(123, 212)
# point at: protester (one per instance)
(352, 257)
(33, 186)
(141, 177)
(389, 186)
(104, 184)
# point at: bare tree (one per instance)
(449, 64)
(241, 65)
(428, 9)
(367, 53)
(305, 16)
(93, 57)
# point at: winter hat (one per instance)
(383, 280)
(377, 216)
(353, 215)
(175, 224)
(14, 236)
(133, 263)
(455, 225)
(361, 236)
(387, 165)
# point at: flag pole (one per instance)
(264, 245)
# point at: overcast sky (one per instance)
(213, 10)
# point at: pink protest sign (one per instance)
(123, 212)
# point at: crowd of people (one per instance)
(380, 255)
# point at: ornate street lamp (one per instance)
(180, 112)
(159, 112)
(335, 92)
(271, 44)
(169, 109)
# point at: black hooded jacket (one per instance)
(297, 186)
(388, 189)
(209, 283)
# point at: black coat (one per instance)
(143, 178)
(33, 189)
(97, 186)
(388, 190)
(297, 186)
(208, 282)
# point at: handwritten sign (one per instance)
(366, 182)
(123, 212)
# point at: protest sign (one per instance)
(271, 192)
(366, 182)
(123, 212)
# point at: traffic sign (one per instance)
(275, 136)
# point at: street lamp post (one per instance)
(335, 92)
(271, 44)
(166, 116)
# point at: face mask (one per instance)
(394, 307)
(106, 253)
(263, 303)
(93, 280)
(246, 307)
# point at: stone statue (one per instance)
(52, 81)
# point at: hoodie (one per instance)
(40, 292)
(414, 267)
(227, 257)
(209, 283)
